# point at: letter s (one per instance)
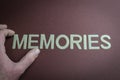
(103, 39)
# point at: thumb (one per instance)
(28, 59)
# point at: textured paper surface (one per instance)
(66, 17)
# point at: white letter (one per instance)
(108, 44)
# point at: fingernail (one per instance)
(37, 51)
(11, 33)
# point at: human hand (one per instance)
(10, 70)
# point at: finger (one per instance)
(7, 32)
(3, 26)
(28, 59)
(3, 56)
(3, 34)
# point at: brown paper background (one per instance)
(66, 17)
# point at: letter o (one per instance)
(58, 40)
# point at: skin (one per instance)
(10, 70)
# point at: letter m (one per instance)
(18, 43)
(43, 41)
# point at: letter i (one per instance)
(85, 42)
